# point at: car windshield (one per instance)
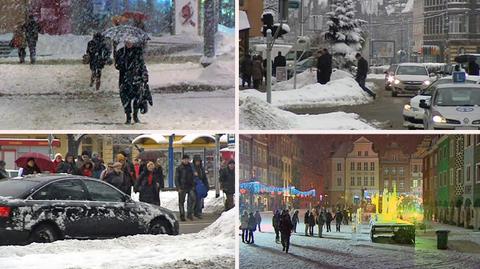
(412, 70)
(457, 97)
(15, 188)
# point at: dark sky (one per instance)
(317, 148)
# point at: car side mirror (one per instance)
(423, 104)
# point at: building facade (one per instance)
(395, 170)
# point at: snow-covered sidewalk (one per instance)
(213, 247)
(75, 78)
(169, 200)
(258, 114)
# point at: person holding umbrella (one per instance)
(31, 168)
(133, 76)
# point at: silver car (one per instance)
(454, 106)
(410, 78)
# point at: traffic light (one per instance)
(267, 19)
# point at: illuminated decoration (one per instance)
(256, 187)
(397, 209)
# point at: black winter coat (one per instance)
(227, 180)
(252, 225)
(116, 179)
(362, 68)
(3, 174)
(184, 177)
(132, 69)
(31, 29)
(31, 170)
(99, 53)
(68, 168)
(286, 224)
(246, 66)
(328, 217)
(149, 192)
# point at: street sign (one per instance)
(231, 139)
(281, 73)
(459, 77)
(294, 4)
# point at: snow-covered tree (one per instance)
(344, 30)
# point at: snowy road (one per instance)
(340, 250)
(186, 96)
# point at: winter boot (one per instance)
(92, 80)
(135, 116)
(190, 217)
(97, 85)
(129, 119)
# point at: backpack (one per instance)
(200, 189)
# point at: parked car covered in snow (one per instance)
(409, 78)
(46, 208)
(413, 114)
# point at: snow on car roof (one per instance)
(411, 64)
(458, 85)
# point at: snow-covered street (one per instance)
(140, 251)
(346, 250)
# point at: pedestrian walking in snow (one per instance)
(68, 166)
(338, 220)
(31, 28)
(246, 66)
(362, 71)
(257, 72)
(201, 185)
(311, 223)
(278, 61)
(345, 216)
(3, 172)
(258, 220)
(133, 78)
(276, 225)
(244, 226)
(251, 228)
(98, 56)
(324, 66)
(295, 221)
(149, 184)
(185, 186)
(286, 229)
(19, 42)
(328, 220)
(306, 221)
(128, 173)
(227, 183)
(320, 223)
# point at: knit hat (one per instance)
(120, 157)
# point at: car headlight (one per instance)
(427, 82)
(396, 81)
(390, 79)
(439, 119)
(407, 107)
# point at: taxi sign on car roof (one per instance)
(459, 77)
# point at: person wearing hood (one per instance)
(3, 172)
(285, 229)
(149, 184)
(185, 186)
(31, 168)
(87, 169)
(133, 75)
(68, 166)
(57, 162)
(98, 55)
(199, 172)
(227, 182)
(115, 177)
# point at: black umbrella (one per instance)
(465, 58)
(125, 33)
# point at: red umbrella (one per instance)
(135, 15)
(41, 160)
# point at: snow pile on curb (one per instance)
(222, 72)
(140, 251)
(169, 200)
(222, 227)
(343, 91)
(307, 78)
(258, 114)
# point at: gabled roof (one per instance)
(362, 140)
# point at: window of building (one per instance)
(365, 153)
(359, 166)
(352, 181)
(339, 181)
(359, 181)
(401, 184)
(385, 184)
(372, 166)
(459, 176)
(359, 153)
(365, 166)
(415, 168)
(394, 171)
(458, 24)
(372, 181)
(401, 171)
(477, 139)
(385, 171)
(339, 166)
(352, 166)
(365, 181)
(468, 173)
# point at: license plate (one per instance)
(410, 88)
